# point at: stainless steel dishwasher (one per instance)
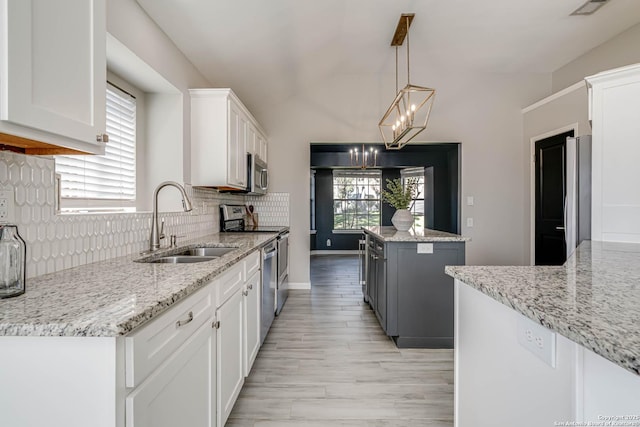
(269, 287)
(283, 271)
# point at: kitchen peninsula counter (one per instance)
(565, 337)
(594, 299)
(111, 298)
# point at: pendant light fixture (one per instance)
(409, 112)
(365, 158)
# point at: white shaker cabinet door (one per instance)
(54, 57)
(181, 392)
(229, 354)
(252, 316)
(237, 160)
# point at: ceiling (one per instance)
(277, 45)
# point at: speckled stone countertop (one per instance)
(594, 299)
(113, 297)
(390, 234)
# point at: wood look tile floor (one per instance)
(327, 362)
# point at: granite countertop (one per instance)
(112, 298)
(415, 234)
(594, 299)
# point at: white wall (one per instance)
(131, 26)
(483, 111)
(617, 52)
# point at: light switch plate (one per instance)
(425, 248)
(469, 222)
(470, 200)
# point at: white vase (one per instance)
(402, 220)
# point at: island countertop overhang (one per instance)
(593, 299)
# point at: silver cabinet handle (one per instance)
(245, 293)
(216, 324)
(250, 286)
(184, 322)
(559, 228)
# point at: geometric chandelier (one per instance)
(409, 112)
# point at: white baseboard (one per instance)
(300, 285)
(327, 252)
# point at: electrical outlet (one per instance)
(328, 242)
(6, 206)
(538, 340)
(469, 222)
(425, 248)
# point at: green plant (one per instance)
(399, 196)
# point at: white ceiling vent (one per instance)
(590, 7)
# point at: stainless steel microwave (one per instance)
(258, 175)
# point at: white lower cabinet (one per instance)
(252, 316)
(181, 392)
(229, 354)
(185, 367)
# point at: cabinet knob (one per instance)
(250, 286)
(102, 137)
(216, 324)
(245, 293)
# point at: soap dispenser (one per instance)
(13, 255)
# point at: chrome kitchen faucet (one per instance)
(156, 235)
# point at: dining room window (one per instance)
(356, 198)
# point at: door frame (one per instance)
(532, 183)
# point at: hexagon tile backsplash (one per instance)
(55, 242)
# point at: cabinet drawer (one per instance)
(251, 265)
(146, 348)
(228, 283)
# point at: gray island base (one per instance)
(406, 285)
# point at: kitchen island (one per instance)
(138, 344)
(542, 345)
(406, 285)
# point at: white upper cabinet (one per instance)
(53, 73)
(615, 109)
(223, 132)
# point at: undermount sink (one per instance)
(191, 255)
(214, 252)
(182, 259)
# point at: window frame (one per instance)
(356, 173)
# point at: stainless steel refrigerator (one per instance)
(577, 204)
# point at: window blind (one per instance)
(412, 173)
(113, 175)
(357, 173)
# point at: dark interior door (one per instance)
(550, 167)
